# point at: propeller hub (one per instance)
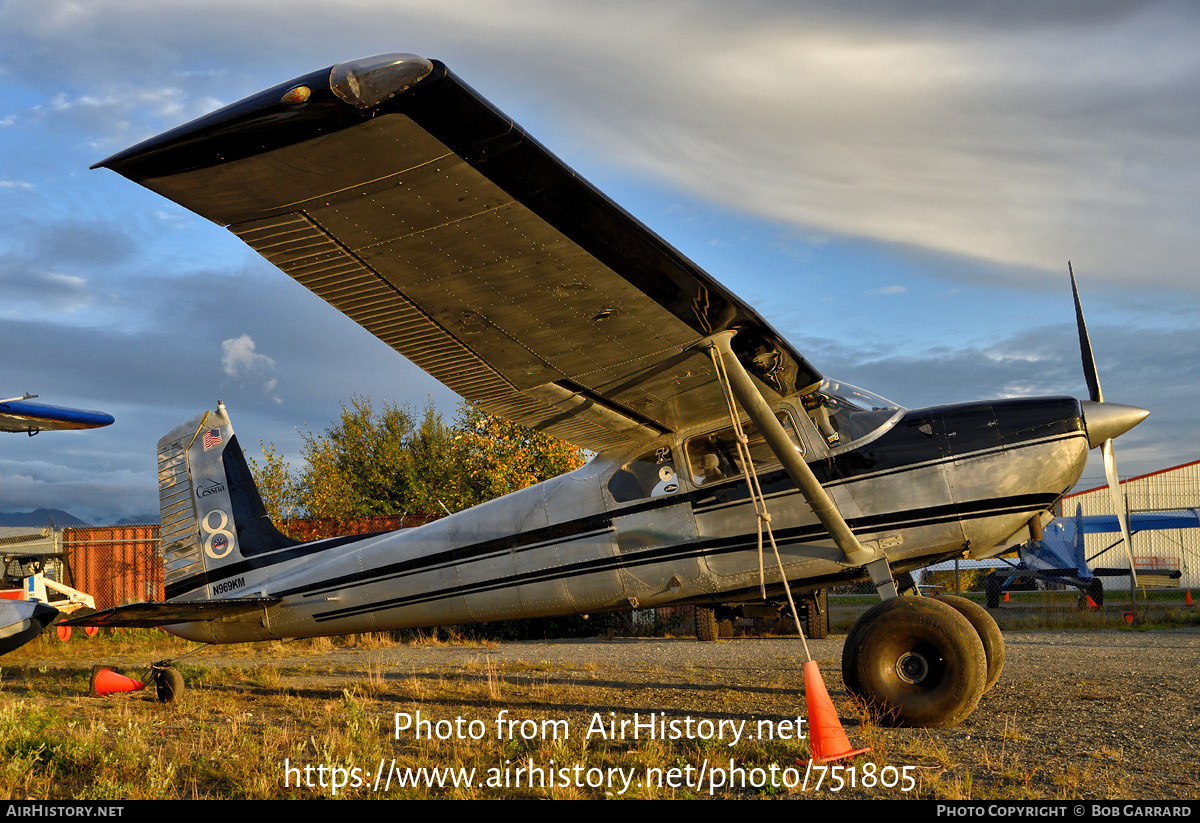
(1104, 421)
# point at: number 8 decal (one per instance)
(218, 541)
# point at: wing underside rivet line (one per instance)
(305, 250)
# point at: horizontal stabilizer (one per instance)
(1170, 574)
(151, 615)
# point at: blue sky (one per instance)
(896, 187)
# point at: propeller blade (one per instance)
(1085, 346)
(1108, 420)
(1114, 489)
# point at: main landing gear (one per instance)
(707, 625)
(813, 607)
(923, 661)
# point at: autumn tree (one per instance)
(357, 467)
(275, 483)
(497, 456)
(390, 461)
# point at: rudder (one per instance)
(212, 513)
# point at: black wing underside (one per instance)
(441, 227)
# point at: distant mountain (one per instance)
(38, 517)
(137, 520)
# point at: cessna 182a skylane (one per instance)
(398, 194)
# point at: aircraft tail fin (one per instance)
(1078, 556)
(213, 517)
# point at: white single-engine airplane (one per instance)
(395, 192)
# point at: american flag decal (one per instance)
(211, 438)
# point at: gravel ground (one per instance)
(1076, 714)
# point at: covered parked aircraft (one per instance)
(395, 192)
(1058, 556)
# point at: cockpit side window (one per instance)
(713, 457)
(650, 475)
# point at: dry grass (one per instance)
(248, 728)
(239, 730)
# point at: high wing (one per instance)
(395, 192)
(19, 415)
(1142, 521)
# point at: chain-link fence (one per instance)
(114, 564)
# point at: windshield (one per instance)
(845, 414)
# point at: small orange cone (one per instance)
(825, 736)
(1006, 597)
(1128, 617)
(91, 631)
(1092, 603)
(1187, 598)
(106, 681)
(63, 632)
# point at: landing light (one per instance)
(370, 81)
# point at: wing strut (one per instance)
(760, 503)
(752, 401)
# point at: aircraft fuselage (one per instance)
(938, 482)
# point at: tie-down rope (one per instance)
(760, 504)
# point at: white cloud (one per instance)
(1019, 138)
(31, 292)
(240, 361)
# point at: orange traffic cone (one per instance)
(825, 736)
(1092, 603)
(1006, 597)
(1187, 598)
(106, 681)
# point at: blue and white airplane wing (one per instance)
(19, 415)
